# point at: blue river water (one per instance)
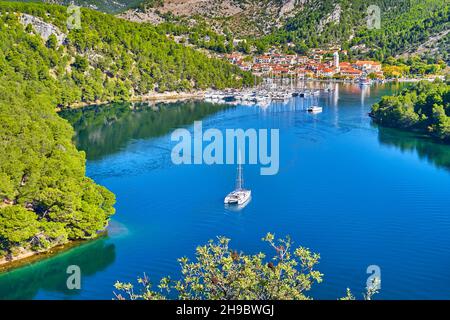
(357, 194)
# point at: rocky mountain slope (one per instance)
(243, 17)
(402, 26)
(406, 26)
(110, 6)
(250, 17)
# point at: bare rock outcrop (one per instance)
(44, 29)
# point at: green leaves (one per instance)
(52, 42)
(45, 198)
(111, 60)
(17, 225)
(423, 107)
(220, 273)
(405, 25)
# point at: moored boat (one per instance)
(240, 195)
(365, 82)
(315, 109)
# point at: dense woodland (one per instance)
(45, 198)
(413, 66)
(404, 25)
(109, 6)
(425, 107)
(110, 59)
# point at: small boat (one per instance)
(365, 82)
(246, 96)
(305, 94)
(315, 109)
(281, 96)
(240, 195)
(262, 98)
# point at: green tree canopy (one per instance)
(424, 107)
(220, 273)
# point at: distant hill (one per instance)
(108, 58)
(109, 6)
(407, 26)
(243, 17)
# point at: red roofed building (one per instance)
(244, 65)
(233, 58)
(302, 59)
(280, 70)
(262, 67)
(263, 59)
(325, 72)
(351, 72)
(301, 72)
(368, 66)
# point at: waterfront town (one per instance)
(318, 64)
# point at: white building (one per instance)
(336, 61)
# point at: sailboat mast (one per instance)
(240, 177)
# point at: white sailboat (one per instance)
(240, 195)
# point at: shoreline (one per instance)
(173, 96)
(28, 257)
(356, 82)
(154, 97)
(417, 132)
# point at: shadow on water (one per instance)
(103, 130)
(426, 148)
(50, 275)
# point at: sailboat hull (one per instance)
(238, 197)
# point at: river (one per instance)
(357, 194)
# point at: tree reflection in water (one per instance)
(104, 130)
(50, 274)
(435, 152)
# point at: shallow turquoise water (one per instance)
(354, 193)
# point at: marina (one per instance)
(268, 92)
